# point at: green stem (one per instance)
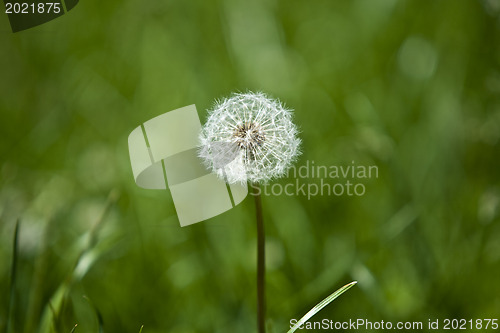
(261, 261)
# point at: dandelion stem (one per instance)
(261, 261)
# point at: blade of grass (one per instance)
(321, 305)
(97, 313)
(59, 297)
(42, 265)
(50, 318)
(55, 318)
(142, 326)
(74, 328)
(13, 270)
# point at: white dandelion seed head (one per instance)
(249, 136)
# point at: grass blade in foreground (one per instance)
(13, 270)
(100, 321)
(321, 305)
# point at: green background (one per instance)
(409, 86)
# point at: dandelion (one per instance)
(249, 136)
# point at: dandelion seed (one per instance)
(249, 136)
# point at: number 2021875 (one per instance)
(33, 8)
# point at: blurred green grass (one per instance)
(410, 86)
